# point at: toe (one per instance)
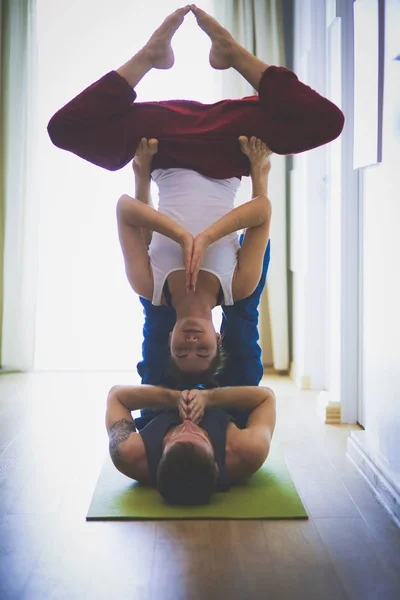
(265, 149)
(243, 141)
(184, 10)
(140, 146)
(153, 145)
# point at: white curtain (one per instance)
(19, 185)
(258, 26)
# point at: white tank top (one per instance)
(195, 202)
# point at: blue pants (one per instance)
(239, 331)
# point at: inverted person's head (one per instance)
(187, 472)
(195, 348)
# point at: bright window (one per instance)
(88, 318)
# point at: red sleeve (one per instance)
(97, 124)
(301, 118)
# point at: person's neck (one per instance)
(193, 304)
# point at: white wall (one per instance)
(381, 274)
(324, 228)
(308, 213)
(359, 279)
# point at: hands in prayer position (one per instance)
(192, 405)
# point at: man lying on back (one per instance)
(192, 448)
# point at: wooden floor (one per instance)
(52, 444)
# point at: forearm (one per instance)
(137, 214)
(246, 398)
(250, 214)
(142, 184)
(136, 397)
(259, 182)
(142, 193)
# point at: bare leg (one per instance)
(157, 53)
(227, 52)
(258, 154)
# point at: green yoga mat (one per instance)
(268, 494)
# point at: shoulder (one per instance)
(245, 453)
(127, 451)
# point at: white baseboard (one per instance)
(303, 382)
(379, 480)
(329, 411)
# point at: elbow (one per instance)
(125, 204)
(267, 209)
(263, 454)
(264, 209)
(119, 211)
(120, 206)
(268, 396)
(257, 455)
(113, 394)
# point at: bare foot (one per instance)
(144, 154)
(223, 44)
(159, 47)
(258, 154)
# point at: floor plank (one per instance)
(301, 561)
(22, 538)
(182, 571)
(93, 560)
(385, 532)
(243, 563)
(357, 559)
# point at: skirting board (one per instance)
(330, 412)
(303, 382)
(382, 485)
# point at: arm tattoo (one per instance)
(119, 432)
